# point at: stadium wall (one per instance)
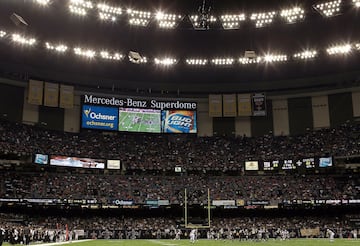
(286, 114)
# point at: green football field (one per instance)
(139, 122)
(292, 242)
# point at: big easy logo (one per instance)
(102, 118)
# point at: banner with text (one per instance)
(129, 102)
(66, 96)
(244, 105)
(35, 95)
(215, 105)
(229, 103)
(51, 95)
(259, 104)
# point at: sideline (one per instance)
(62, 243)
(162, 243)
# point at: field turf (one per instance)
(148, 122)
(292, 242)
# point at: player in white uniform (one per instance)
(177, 234)
(330, 234)
(192, 235)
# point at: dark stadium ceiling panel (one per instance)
(55, 23)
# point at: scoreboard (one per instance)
(307, 163)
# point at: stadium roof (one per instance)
(55, 24)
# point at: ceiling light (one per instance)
(293, 15)
(23, 40)
(165, 61)
(263, 19)
(246, 60)
(86, 53)
(136, 58)
(199, 62)
(2, 33)
(356, 3)
(42, 2)
(80, 7)
(307, 54)
(339, 49)
(274, 58)
(139, 18)
(328, 9)
(107, 56)
(107, 12)
(61, 48)
(202, 22)
(357, 46)
(167, 20)
(222, 61)
(232, 21)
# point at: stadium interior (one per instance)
(163, 120)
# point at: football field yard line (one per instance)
(141, 120)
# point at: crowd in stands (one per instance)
(164, 152)
(59, 228)
(140, 188)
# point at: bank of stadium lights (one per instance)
(167, 20)
(42, 2)
(246, 60)
(223, 61)
(293, 15)
(356, 3)
(201, 23)
(357, 46)
(232, 21)
(269, 58)
(307, 54)
(328, 9)
(339, 49)
(2, 33)
(80, 7)
(108, 13)
(17, 38)
(197, 62)
(60, 48)
(263, 19)
(88, 53)
(138, 18)
(165, 61)
(111, 56)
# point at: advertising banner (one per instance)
(67, 161)
(259, 104)
(96, 117)
(178, 121)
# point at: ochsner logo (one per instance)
(98, 116)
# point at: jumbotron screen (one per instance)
(139, 120)
(68, 161)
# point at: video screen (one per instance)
(113, 164)
(66, 161)
(251, 165)
(139, 120)
(102, 118)
(325, 162)
(178, 121)
(41, 159)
